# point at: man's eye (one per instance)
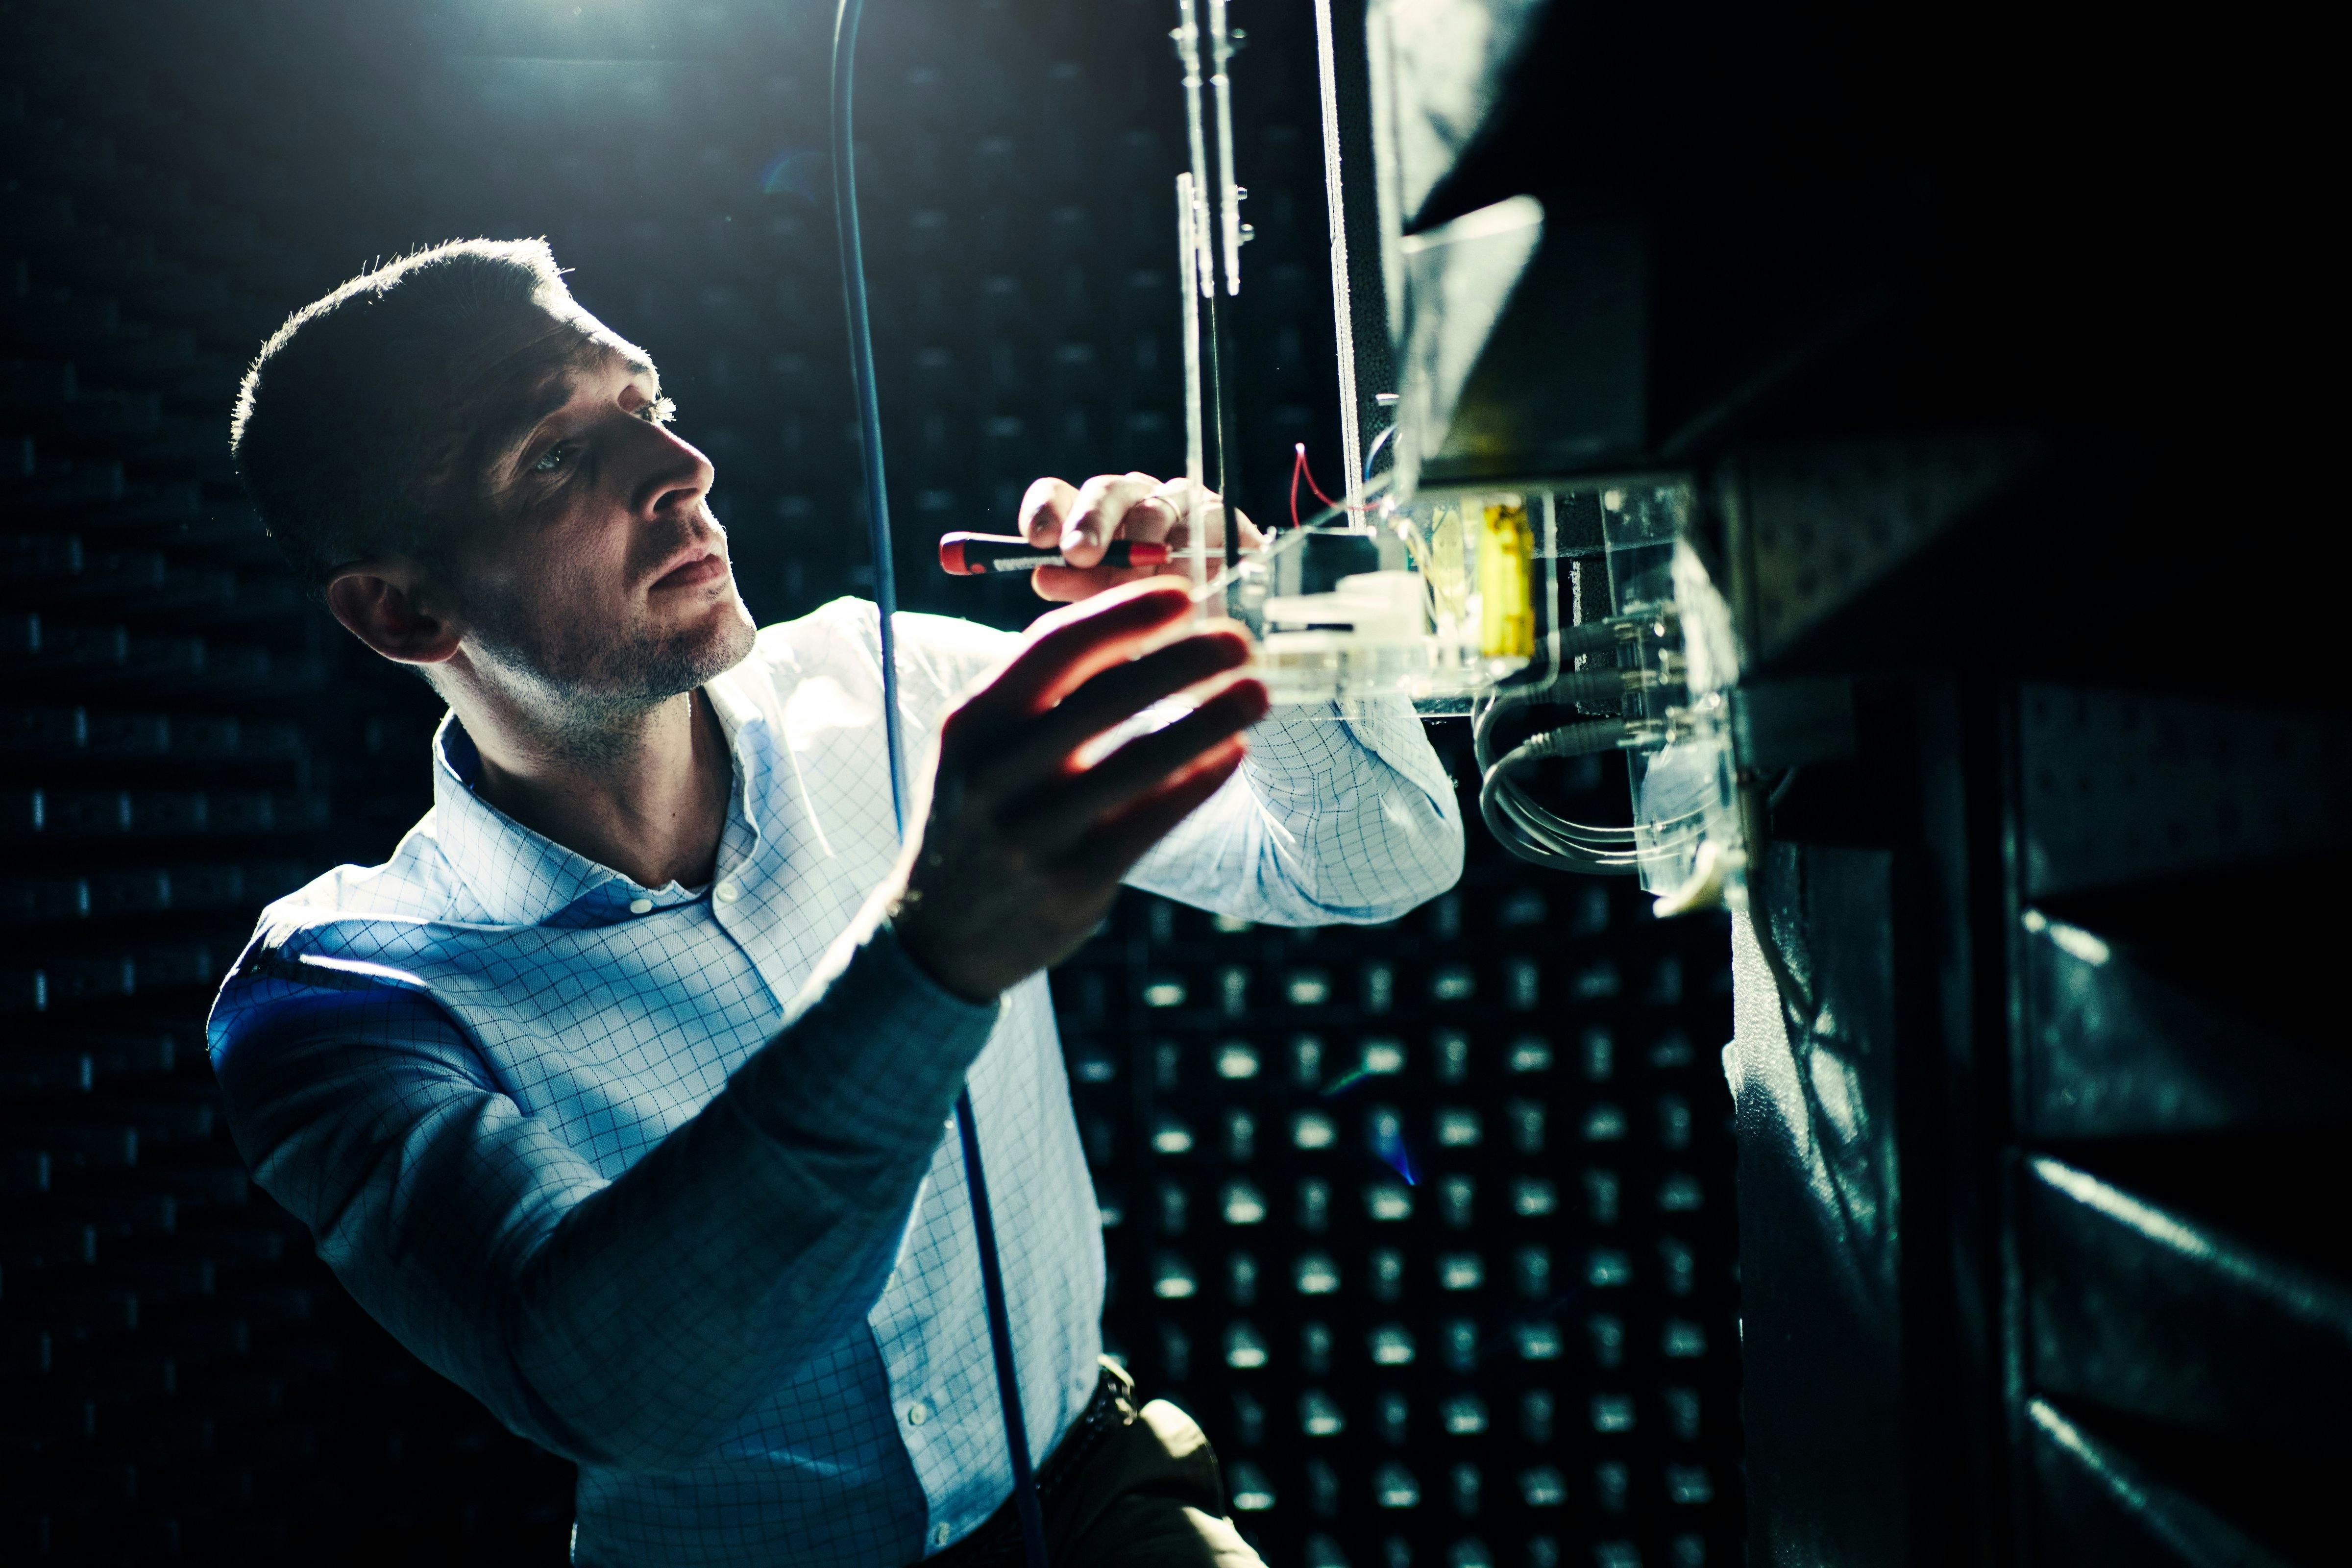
(554, 457)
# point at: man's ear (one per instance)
(377, 602)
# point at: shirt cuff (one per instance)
(875, 1057)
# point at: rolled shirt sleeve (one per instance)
(1341, 813)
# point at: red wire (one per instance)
(1300, 467)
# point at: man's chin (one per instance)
(718, 643)
(655, 664)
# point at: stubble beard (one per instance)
(594, 689)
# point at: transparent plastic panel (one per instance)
(1434, 601)
(1687, 832)
(1462, 604)
(1640, 524)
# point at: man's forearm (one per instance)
(666, 1305)
(1341, 813)
(630, 1321)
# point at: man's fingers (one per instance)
(1149, 518)
(1057, 817)
(1116, 845)
(1069, 647)
(1067, 584)
(1094, 518)
(1145, 761)
(1081, 521)
(1045, 507)
(1041, 752)
(1110, 698)
(1178, 496)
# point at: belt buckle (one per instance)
(1121, 1389)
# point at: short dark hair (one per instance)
(353, 417)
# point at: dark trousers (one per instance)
(1131, 1488)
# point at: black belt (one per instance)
(997, 1542)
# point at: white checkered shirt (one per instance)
(667, 1177)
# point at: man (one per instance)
(621, 1092)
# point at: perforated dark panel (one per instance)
(1430, 1224)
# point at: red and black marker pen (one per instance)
(973, 554)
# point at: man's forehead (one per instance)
(527, 371)
(535, 367)
(516, 340)
(549, 349)
(555, 379)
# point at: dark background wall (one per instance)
(1527, 1170)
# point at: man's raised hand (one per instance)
(1026, 837)
(1080, 520)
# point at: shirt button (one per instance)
(641, 906)
(917, 1413)
(938, 1535)
(728, 892)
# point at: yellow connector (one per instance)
(1507, 614)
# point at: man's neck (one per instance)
(646, 794)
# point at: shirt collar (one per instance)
(746, 729)
(523, 877)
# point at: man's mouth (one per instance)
(693, 573)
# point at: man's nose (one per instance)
(676, 475)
